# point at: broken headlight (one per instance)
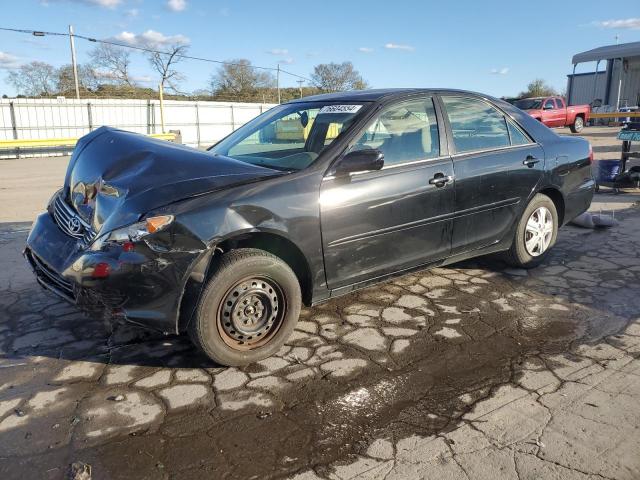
(134, 232)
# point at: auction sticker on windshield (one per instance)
(340, 109)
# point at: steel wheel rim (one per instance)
(578, 123)
(251, 313)
(538, 232)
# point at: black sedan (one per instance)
(311, 200)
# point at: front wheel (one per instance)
(578, 125)
(536, 233)
(248, 309)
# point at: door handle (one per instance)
(530, 161)
(440, 180)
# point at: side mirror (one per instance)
(359, 161)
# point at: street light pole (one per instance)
(73, 61)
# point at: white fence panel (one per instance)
(200, 123)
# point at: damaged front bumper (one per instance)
(139, 284)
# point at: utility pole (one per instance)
(278, 83)
(73, 61)
(300, 82)
(161, 91)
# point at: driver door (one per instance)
(375, 223)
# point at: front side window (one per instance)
(290, 136)
(404, 132)
(475, 124)
(549, 105)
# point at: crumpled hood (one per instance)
(115, 176)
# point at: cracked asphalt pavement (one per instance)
(472, 371)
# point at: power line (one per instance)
(41, 33)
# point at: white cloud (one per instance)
(177, 5)
(278, 51)
(365, 49)
(628, 23)
(7, 60)
(499, 71)
(142, 79)
(287, 61)
(152, 39)
(98, 3)
(396, 46)
(132, 13)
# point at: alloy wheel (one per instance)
(538, 232)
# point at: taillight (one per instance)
(590, 154)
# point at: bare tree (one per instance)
(336, 77)
(88, 79)
(115, 61)
(239, 79)
(538, 88)
(33, 79)
(164, 64)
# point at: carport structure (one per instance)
(618, 85)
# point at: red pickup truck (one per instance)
(553, 112)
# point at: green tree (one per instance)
(87, 79)
(538, 88)
(337, 77)
(238, 79)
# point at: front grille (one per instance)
(49, 278)
(70, 222)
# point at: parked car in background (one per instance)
(553, 112)
(228, 244)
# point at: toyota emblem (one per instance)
(74, 225)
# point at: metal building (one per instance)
(617, 86)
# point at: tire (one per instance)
(521, 254)
(248, 308)
(578, 125)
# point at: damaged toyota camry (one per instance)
(311, 200)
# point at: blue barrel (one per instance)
(607, 170)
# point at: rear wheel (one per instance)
(248, 308)
(535, 235)
(578, 125)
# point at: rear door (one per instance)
(561, 112)
(378, 222)
(551, 115)
(496, 167)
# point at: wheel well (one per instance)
(280, 247)
(558, 201)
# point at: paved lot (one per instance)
(474, 371)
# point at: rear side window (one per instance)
(475, 124)
(560, 103)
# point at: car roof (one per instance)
(374, 95)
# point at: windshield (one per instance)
(528, 104)
(289, 137)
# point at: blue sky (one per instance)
(492, 46)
